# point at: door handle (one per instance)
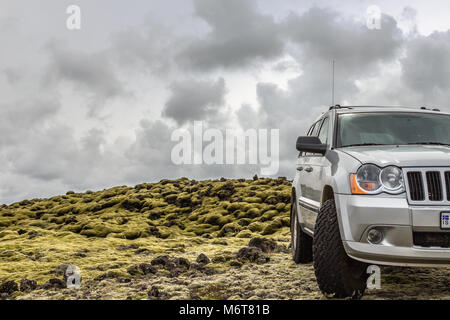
(299, 168)
(309, 169)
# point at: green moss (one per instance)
(256, 226)
(5, 222)
(251, 213)
(252, 200)
(230, 229)
(210, 218)
(244, 234)
(281, 207)
(95, 230)
(268, 215)
(275, 225)
(132, 234)
(200, 229)
(57, 229)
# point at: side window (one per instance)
(315, 131)
(311, 130)
(323, 134)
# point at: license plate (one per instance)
(445, 220)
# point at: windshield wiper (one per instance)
(431, 143)
(363, 144)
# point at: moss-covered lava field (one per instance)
(177, 239)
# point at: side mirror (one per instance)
(311, 144)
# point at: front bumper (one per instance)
(398, 221)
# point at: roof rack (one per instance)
(338, 106)
(435, 109)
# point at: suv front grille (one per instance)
(447, 184)
(428, 186)
(434, 185)
(432, 239)
(416, 186)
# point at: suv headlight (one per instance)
(370, 179)
(391, 178)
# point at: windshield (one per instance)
(356, 129)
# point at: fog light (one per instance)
(374, 236)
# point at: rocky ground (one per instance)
(181, 239)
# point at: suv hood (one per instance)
(402, 156)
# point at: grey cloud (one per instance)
(20, 118)
(42, 156)
(149, 46)
(324, 35)
(149, 158)
(12, 75)
(426, 68)
(247, 117)
(195, 100)
(239, 36)
(92, 74)
(54, 154)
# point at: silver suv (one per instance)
(372, 187)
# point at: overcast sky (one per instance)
(95, 108)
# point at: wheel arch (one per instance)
(327, 194)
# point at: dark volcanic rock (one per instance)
(204, 269)
(142, 251)
(266, 245)
(133, 270)
(27, 285)
(203, 259)
(54, 284)
(9, 287)
(154, 216)
(147, 268)
(182, 263)
(161, 261)
(153, 292)
(252, 254)
(226, 191)
(175, 265)
(108, 275)
(33, 234)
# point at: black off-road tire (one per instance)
(301, 243)
(338, 276)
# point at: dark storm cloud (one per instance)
(324, 35)
(195, 100)
(239, 36)
(321, 35)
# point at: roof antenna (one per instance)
(332, 87)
